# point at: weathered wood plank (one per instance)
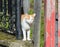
(58, 23)
(26, 5)
(36, 30)
(47, 23)
(52, 23)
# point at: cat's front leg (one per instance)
(28, 35)
(24, 35)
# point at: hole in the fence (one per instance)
(56, 19)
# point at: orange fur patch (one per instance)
(26, 16)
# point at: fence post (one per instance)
(4, 12)
(58, 23)
(49, 23)
(26, 5)
(18, 19)
(0, 5)
(10, 7)
(56, 32)
(4, 7)
(36, 26)
(10, 13)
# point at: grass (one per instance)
(42, 30)
(5, 36)
(42, 27)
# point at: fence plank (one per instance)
(52, 23)
(47, 23)
(36, 30)
(58, 23)
(26, 5)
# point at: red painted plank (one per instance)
(58, 23)
(47, 23)
(52, 23)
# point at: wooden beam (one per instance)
(36, 30)
(47, 23)
(58, 23)
(50, 23)
(53, 23)
(26, 5)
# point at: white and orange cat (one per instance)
(26, 21)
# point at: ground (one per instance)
(10, 40)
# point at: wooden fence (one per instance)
(52, 23)
(52, 20)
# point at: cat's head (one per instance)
(30, 18)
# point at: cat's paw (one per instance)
(28, 39)
(24, 39)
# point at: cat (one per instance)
(26, 21)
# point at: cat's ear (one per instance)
(34, 14)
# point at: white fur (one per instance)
(26, 28)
